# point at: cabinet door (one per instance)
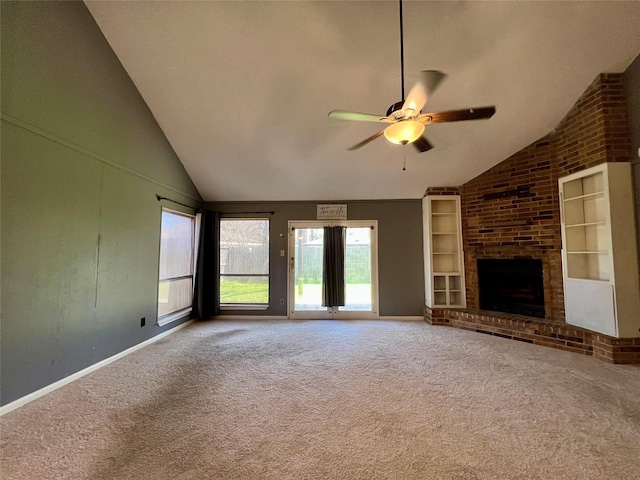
(590, 305)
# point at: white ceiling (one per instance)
(242, 89)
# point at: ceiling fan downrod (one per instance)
(398, 105)
(401, 55)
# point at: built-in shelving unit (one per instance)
(444, 270)
(586, 229)
(599, 255)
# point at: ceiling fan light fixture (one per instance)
(404, 132)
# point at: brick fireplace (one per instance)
(512, 212)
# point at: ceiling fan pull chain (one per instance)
(404, 160)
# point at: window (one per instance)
(177, 261)
(244, 262)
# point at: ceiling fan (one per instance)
(405, 118)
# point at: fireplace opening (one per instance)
(511, 286)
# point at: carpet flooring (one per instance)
(333, 400)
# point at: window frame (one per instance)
(184, 311)
(245, 306)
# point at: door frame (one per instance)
(334, 312)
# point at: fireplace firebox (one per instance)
(511, 286)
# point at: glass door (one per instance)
(306, 244)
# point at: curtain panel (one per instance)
(207, 296)
(333, 288)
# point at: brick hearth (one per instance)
(539, 332)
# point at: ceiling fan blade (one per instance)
(420, 92)
(415, 100)
(422, 144)
(364, 142)
(356, 116)
(457, 115)
(431, 80)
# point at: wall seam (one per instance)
(61, 141)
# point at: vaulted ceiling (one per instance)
(242, 89)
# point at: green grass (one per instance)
(163, 292)
(241, 292)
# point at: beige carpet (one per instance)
(333, 400)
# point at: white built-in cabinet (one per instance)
(443, 259)
(599, 252)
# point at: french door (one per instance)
(306, 244)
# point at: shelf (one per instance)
(588, 252)
(445, 224)
(443, 206)
(588, 265)
(585, 229)
(590, 224)
(584, 186)
(591, 210)
(590, 279)
(439, 283)
(440, 298)
(455, 298)
(584, 197)
(446, 263)
(593, 237)
(444, 244)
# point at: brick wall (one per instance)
(442, 191)
(596, 129)
(512, 210)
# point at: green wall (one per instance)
(400, 265)
(82, 162)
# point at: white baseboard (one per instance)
(9, 407)
(411, 318)
(250, 317)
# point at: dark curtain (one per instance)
(196, 307)
(207, 292)
(333, 263)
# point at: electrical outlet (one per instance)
(282, 301)
(142, 321)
